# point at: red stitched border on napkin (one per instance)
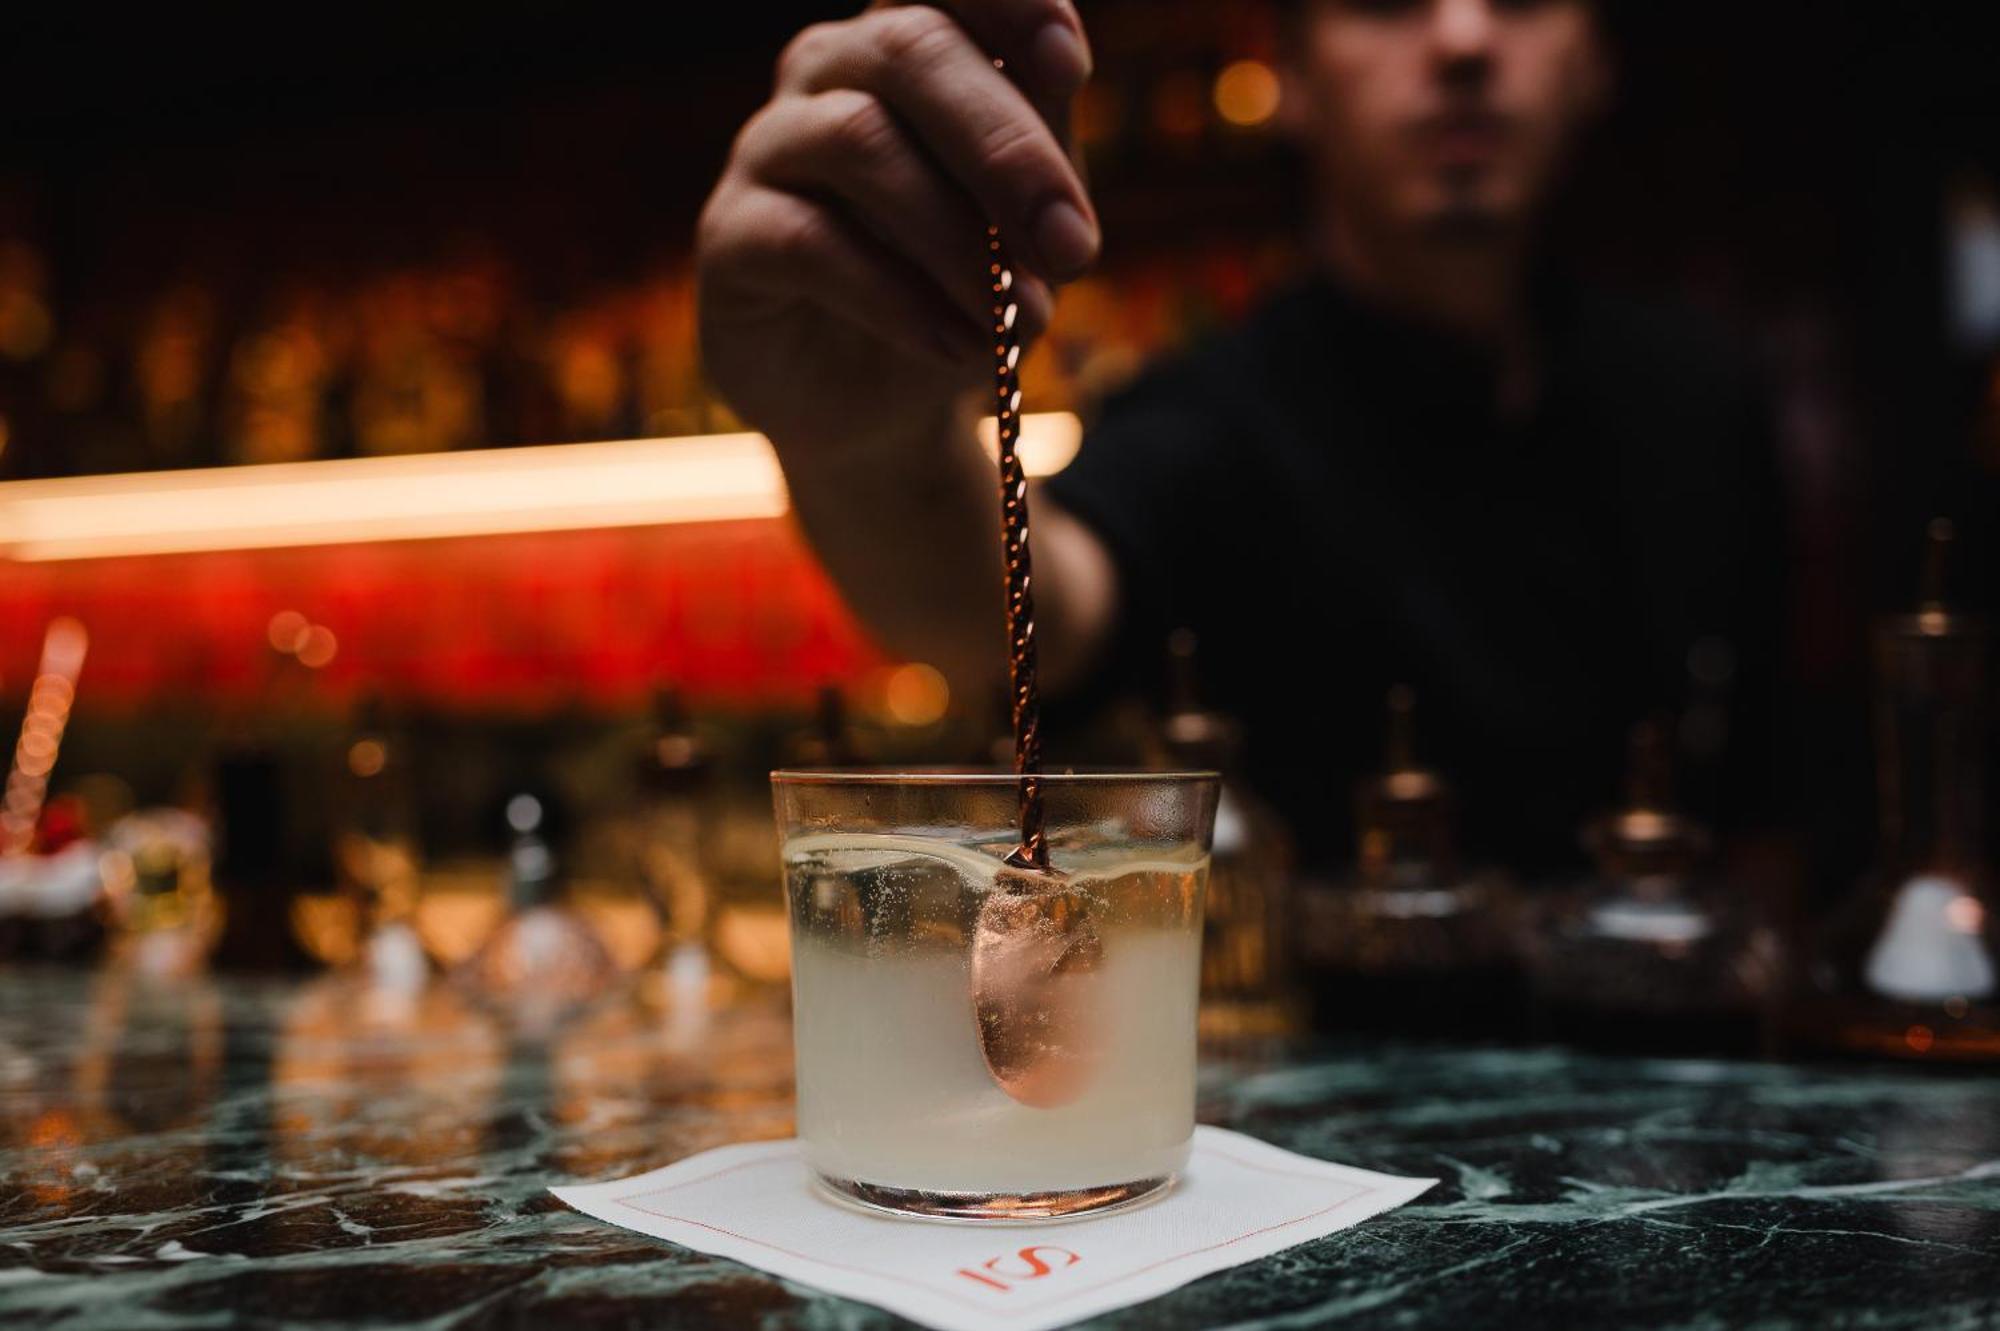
(1015, 1309)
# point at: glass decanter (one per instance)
(1653, 952)
(544, 965)
(1410, 943)
(1910, 967)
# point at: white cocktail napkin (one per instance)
(1239, 1199)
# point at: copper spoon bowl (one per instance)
(1036, 966)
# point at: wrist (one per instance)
(931, 444)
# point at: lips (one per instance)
(1464, 138)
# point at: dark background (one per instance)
(1788, 164)
(1785, 162)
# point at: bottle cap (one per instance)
(1647, 836)
(1403, 815)
(1194, 736)
(1935, 618)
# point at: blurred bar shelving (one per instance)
(584, 572)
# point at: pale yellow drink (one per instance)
(894, 1092)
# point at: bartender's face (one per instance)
(1447, 116)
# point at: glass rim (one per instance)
(983, 777)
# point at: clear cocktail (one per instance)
(976, 1042)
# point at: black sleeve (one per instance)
(1147, 481)
(1761, 782)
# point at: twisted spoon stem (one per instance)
(1023, 695)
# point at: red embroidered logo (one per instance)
(994, 1276)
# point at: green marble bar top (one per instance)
(264, 1153)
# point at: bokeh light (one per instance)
(1246, 93)
(288, 630)
(317, 647)
(367, 757)
(916, 694)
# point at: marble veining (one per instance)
(264, 1153)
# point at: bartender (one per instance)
(1436, 460)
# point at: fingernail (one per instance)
(1061, 60)
(1064, 238)
(1037, 304)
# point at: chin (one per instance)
(1466, 223)
(1467, 210)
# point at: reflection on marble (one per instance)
(262, 1153)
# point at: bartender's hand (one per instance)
(842, 258)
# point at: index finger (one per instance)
(973, 119)
(1042, 41)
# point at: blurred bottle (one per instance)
(829, 740)
(544, 965)
(277, 392)
(1651, 953)
(258, 869)
(1247, 968)
(270, 844)
(165, 916)
(588, 362)
(367, 920)
(1910, 967)
(671, 395)
(50, 893)
(676, 780)
(171, 370)
(649, 892)
(414, 390)
(749, 936)
(1410, 943)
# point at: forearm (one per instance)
(910, 533)
(843, 295)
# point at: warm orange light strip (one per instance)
(566, 487)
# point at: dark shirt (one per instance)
(1332, 501)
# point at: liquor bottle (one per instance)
(748, 933)
(1411, 943)
(51, 894)
(675, 783)
(257, 864)
(544, 965)
(1652, 953)
(1248, 981)
(162, 909)
(263, 857)
(1910, 966)
(368, 919)
(829, 741)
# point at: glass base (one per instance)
(982, 1207)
